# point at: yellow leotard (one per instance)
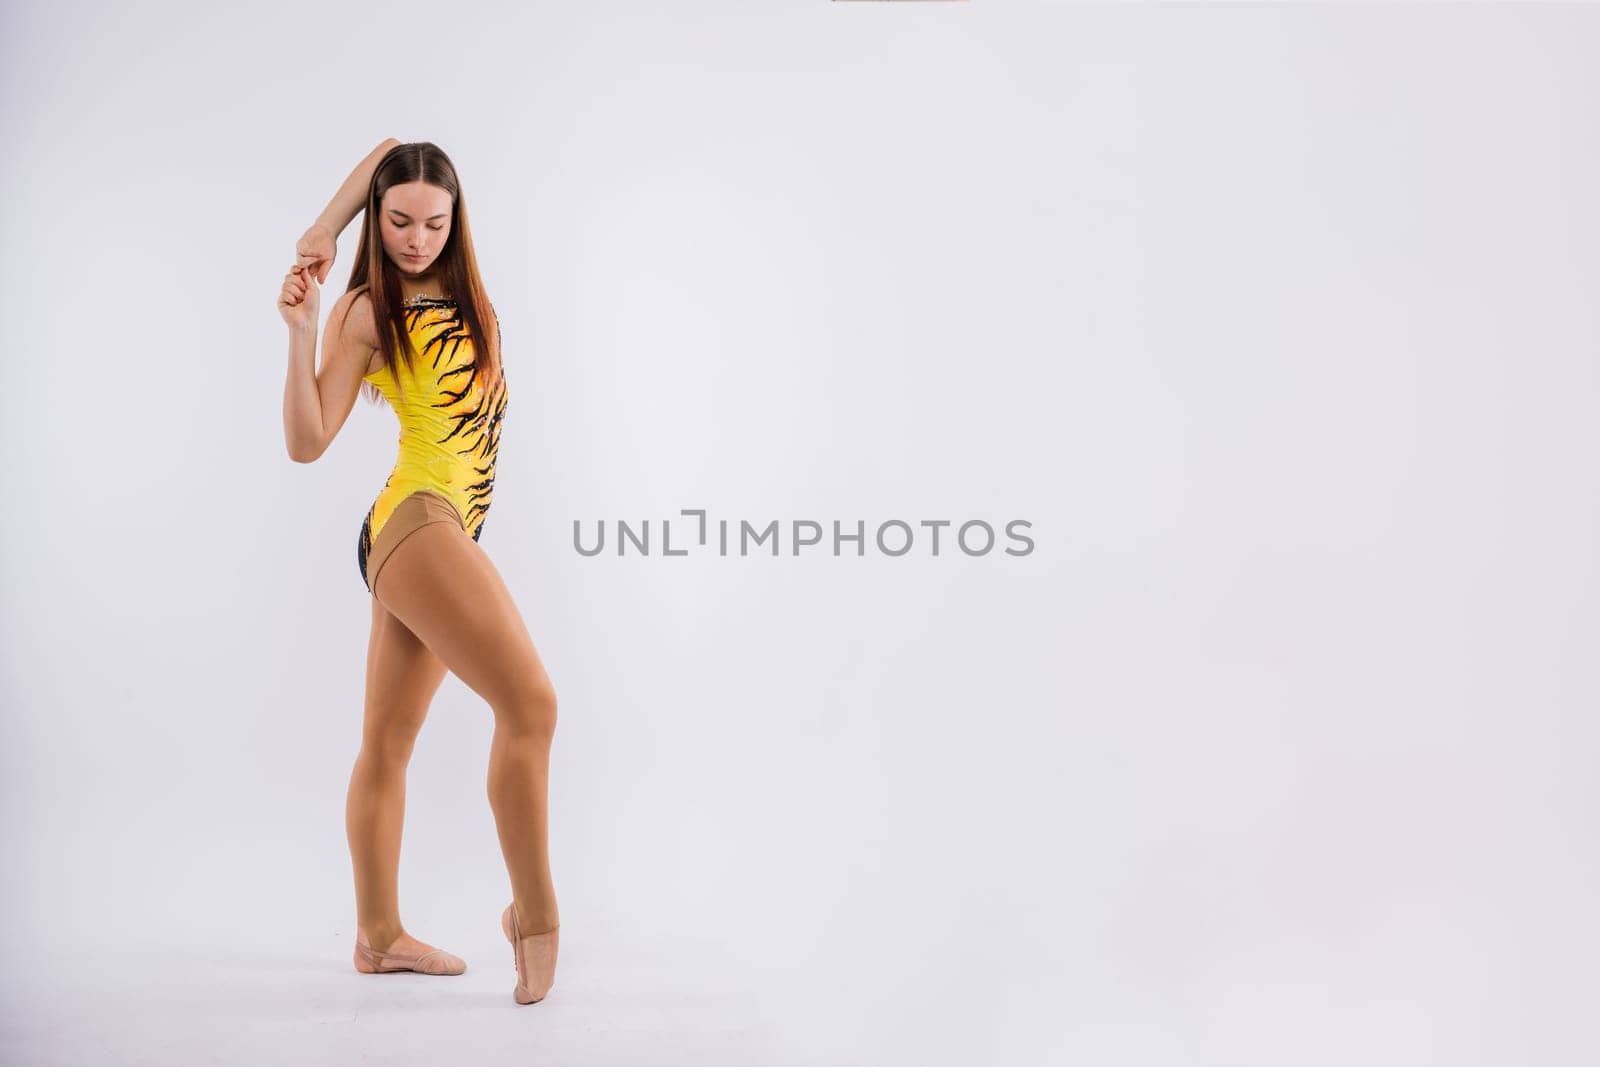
(449, 422)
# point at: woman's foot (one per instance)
(405, 953)
(535, 958)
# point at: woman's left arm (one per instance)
(317, 247)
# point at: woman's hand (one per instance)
(300, 299)
(315, 251)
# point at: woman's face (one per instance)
(415, 224)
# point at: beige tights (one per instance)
(439, 604)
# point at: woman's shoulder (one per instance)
(354, 311)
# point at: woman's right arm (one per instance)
(316, 404)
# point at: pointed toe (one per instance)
(524, 993)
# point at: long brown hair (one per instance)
(427, 162)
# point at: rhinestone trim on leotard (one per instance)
(424, 301)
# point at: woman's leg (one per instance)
(402, 678)
(441, 584)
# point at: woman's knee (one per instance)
(528, 709)
(384, 755)
(387, 750)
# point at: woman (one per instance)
(410, 325)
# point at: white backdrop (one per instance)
(1277, 323)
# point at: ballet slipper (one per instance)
(530, 989)
(369, 960)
